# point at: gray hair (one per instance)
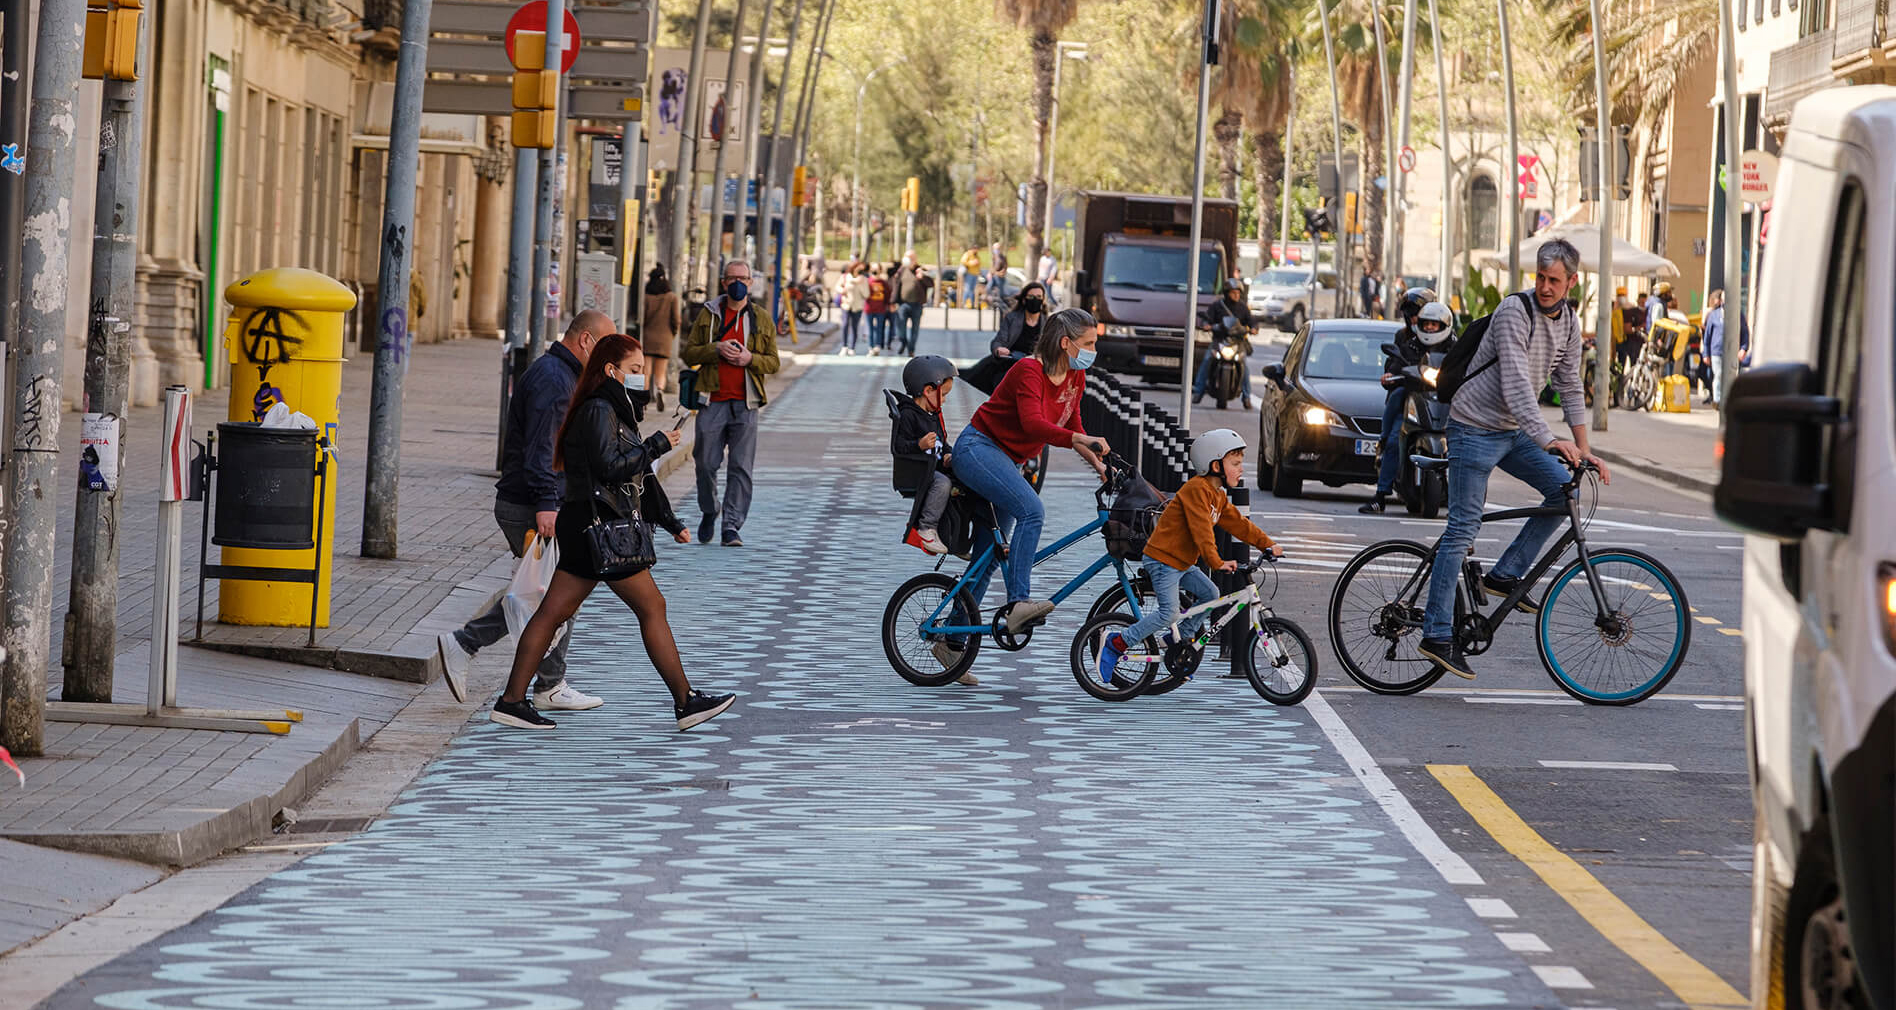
(733, 261)
(1066, 324)
(1558, 251)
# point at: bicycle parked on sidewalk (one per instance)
(931, 629)
(1280, 663)
(1612, 629)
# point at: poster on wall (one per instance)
(667, 108)
(99, 452)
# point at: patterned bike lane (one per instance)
(843, 839)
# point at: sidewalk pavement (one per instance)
(1676, 450)
(126, 803)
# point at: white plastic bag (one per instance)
(528, 588)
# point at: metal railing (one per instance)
(1859, 27)
(1799, 69)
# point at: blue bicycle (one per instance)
(932, 629)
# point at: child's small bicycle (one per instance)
(1280, 662)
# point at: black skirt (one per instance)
(575, 549)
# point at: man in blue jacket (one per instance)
(527, 500)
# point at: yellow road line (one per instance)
(1734, 632)
(1708, 620)
(1691, 981)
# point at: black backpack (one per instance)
(1455, 373)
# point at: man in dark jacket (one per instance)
(527, 500)
(912, 286)
(1232, 304)
(1430, 330)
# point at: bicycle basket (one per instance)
(1132, 518)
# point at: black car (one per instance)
(1322, 407)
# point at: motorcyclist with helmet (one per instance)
(1232, 304)
(1429, 327)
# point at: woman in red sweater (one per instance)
(1036, 405)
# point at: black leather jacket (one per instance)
(607, 462)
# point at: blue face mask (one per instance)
(737, 291)
(1082, 360)
(634, 381)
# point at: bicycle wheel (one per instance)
(1281, 664)
(1376, 618)
(1113, 600)
(1129, 679)
(911, 653)
(1641, 646)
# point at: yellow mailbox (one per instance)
(284, 344)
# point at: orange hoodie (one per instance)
(1183, 534)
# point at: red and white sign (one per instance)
(531, 17)
(1530, 188)
(1528, 161)
(1406, 160)
(1757, 176)
(174, 468)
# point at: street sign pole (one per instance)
(1208, 58)
(1603, 332)
(545, 309)
(1734, 238)
(520, 299)
(732, 114)
(1514, 151)
(754, 124)
(685, 186)
(1336, 134)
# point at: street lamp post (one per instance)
(1207, 58)
(1514, 151)
(858, 214)
(1062, 51)
(1336, 136)
(1603, 327)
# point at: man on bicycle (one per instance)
(1495, 421)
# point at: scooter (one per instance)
(1424, 432)
(1226, 380)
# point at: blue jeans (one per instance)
(967, 290)
(1473, 454)
(1203, 379)
(878, 329)
(986, 469)
(1166, 583)
(852, 327)
(909, 327)
(1391, 442)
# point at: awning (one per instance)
(1628, 260)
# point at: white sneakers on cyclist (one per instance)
(931, 542)
(1023, 613)
(565, 698)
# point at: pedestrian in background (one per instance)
(970, 275)
(662, 318)
(733, 344)
(1017, 336)
(1370, 291)
(527, 500)
(875, 305)
(997, 275)
(1715, 331)
(608, 471)
(855, 298)
(912, 289)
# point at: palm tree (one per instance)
(1045, 19)
(1643, 66)
(1261, 45)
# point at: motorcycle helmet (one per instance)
(925, 371)
(1434, 324)
(1412, 302)
(1212, 447)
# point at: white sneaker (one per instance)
(931, 542)
(1024, 613)
(454, 664)
(565, 698)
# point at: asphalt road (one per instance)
(843, 839)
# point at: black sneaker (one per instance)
(1373, 507)
(1499, 588)
(519, 714)
(731, 539)
(701, 707)
(1448, 653)
(706, 527)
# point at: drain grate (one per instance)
(328, 826)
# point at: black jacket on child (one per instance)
(914, 466)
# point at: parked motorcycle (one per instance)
(809, 298)
(1424, 432)
(1230, 345)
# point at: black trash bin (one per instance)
(266, 487)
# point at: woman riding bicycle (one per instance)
(1036, 405)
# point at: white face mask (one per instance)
(634, 381)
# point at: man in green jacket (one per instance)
(733, 345)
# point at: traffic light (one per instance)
(1352, 221)
(800, 187)
(912, 195)
(536, 93)
(111, 41)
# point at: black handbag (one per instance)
(620, 546)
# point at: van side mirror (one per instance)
(1770, 480)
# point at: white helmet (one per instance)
(1434, 312)
(1212, 446)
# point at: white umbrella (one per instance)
(1628, 260)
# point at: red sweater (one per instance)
(1028, 412)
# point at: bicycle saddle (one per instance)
(1428, 463)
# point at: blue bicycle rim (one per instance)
(1678, 637)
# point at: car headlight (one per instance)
(1118, 331)
(1319, 417)
(1429, 374)
(1229, 352)
(1409, 412)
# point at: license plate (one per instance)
(1158, 361)
(1366, 447)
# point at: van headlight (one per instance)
(1319, 417)
(1117, 331)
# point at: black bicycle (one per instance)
(1612, 629)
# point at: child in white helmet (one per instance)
(1183, 535)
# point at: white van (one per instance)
(1810, 470)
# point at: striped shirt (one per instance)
(1525, 348)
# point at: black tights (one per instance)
(562, 601)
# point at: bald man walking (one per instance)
(527, 500)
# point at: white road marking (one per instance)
(1451, 866)
(1734, 632)
(1702, 619)
(1720, 708)
(1521, 701)
(1616, 766)
(1559, 976)
(1491, 908)
(1542, 693)
(1523, 943)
